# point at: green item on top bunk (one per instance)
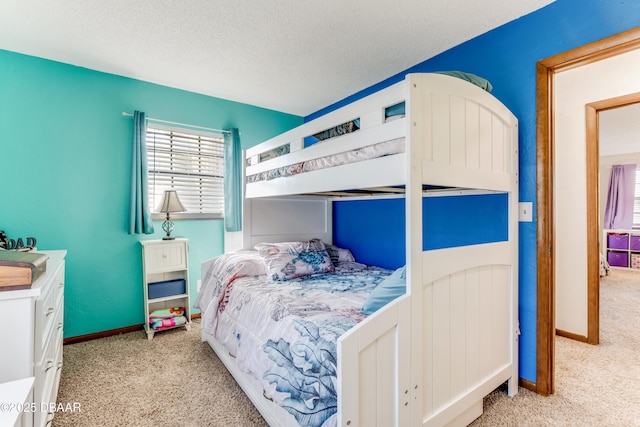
(472, 78)
(399, 109)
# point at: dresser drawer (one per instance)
(49, 309)
(49, 360)
(47, 374)
(54, 333)
(165, 257)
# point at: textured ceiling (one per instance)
(295, 56)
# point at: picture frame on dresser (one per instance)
(35, 337)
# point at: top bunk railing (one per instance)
(369, 112)
(363, 137)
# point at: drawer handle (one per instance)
(50, 311)
(61, 284)
(59, 325)
(50, 364)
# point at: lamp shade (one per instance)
(171, 202)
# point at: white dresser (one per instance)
(31, 338)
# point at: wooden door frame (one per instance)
(545, 69)
(592, 112)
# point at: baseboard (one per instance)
(111, 332)
(571, 336)
(531, 386)
(103, 334)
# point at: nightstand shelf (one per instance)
(165, 270)
(170, 297)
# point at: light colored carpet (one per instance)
(595, 385)
(174, 379)
(126, 380)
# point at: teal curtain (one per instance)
(232, 181)
(139, 215)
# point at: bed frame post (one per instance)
(413, 232)
(512, 384)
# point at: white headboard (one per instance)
(286, 219)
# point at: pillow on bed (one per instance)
(244, 263)
(288, 260)
(388, 290)
(339, 255)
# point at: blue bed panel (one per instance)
(374, 229)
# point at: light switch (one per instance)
(525, 211)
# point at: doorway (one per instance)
(546, 323)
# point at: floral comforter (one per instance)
(284, 333)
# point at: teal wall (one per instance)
(507, 57)
(65, 160)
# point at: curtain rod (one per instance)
(179, 124)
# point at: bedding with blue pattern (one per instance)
(284, 333)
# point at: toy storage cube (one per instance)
(617, 241)
(618, 259)
(635, 260)
(634, 243)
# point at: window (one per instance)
(636, 201)
(190, 162)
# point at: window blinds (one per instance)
(192, 164)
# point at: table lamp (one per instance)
(170, 203)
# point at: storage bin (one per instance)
(166, 288)
(634, 243)
(617, 241)
(635, 260)
(618, 259)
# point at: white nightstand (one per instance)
(165, 271)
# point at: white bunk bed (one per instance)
(429, 357)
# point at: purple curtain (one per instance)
(619, 210)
